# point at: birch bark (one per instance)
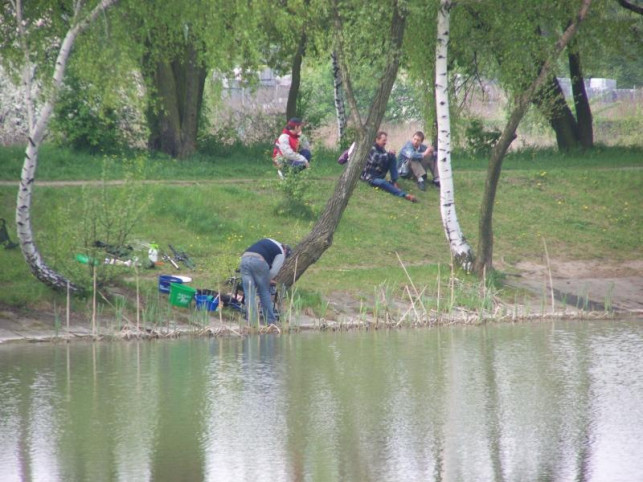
(37, 129)
(460, 249)
(340, 108)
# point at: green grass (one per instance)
(585, 205)
(61, 164)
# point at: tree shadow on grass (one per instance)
(296, 210)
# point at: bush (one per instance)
(479, 140)
(86, 123)
(296, 186)
(108, 214)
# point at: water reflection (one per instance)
(549, 401)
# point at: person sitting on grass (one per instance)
(379, 163)
(415, 159)
(289, 149)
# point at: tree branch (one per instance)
(631, 7)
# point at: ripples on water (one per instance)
(543, 401)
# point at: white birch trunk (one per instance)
(460, 249)
(37, 130)
(340, 108)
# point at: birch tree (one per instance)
(460, 249)
(81, 20)
(338, 95)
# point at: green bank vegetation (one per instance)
(385, 252)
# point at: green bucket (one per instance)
(181, 295)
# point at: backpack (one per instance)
(343, 159)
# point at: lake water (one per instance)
(537, 401)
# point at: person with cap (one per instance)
(416, 159)
(260, 264)
(289, 148)
(379, 163)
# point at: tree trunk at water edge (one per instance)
(37, 129)
(460, 249)
(484, 254)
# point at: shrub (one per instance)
(479, 140)
(87, 123)
(296, 186)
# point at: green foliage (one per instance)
(296, 188)
(316, 103)
(610, 44)
(350, 135)
(220, 142)
(405, 103)
(108, 214)
(45, 23)
(84, 122)
(480, 141)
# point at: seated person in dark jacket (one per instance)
(379, 162)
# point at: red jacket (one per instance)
(293, 140)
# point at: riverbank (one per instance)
(581, 290)
(566, 228)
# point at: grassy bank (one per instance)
(583, 205)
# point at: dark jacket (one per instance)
(271, 251)
(377, 163)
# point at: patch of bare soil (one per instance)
(595, 285)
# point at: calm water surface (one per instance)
(543, 401)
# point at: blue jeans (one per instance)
(255, 275)
(307, 154)
(382, 183)
(386, 186)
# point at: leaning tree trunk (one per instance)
(551, 102)
(295, 84)
(460, 249)
(340, 108)
(581, 101)
(173, 115)
(311, 248)
(37, 130)
(631, 7)
(484, 255)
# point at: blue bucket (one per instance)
(206, 302)
(165, 280)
